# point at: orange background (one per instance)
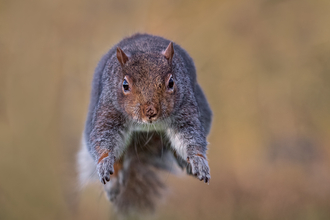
(263, 64)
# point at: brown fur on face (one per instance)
(148, 98)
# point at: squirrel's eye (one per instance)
(125, 85)
(171, 83)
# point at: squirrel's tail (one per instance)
(137, 185)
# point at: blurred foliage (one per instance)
(264, 66)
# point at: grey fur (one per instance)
(109, 127)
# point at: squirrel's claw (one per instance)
(105, 168)
(199, 167)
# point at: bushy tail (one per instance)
(137, 184)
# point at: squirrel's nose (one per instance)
(151, 112)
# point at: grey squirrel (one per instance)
(147, 112)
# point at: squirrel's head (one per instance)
(147, 90)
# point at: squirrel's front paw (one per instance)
(199, 167)
(105, 168)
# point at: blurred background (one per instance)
(263, 64)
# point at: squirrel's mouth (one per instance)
(149, 120)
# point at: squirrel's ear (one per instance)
(121, 56)
(169, 52)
